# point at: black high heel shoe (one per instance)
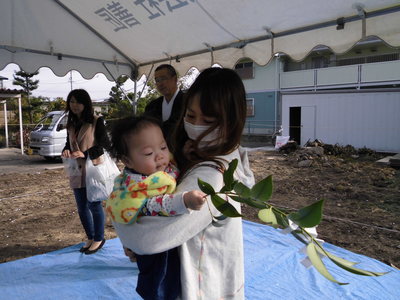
(84, 249)
(87, 252)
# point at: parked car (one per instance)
(49, 135)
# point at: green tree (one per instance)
(24, 80)
(120, 105)
(58, 104)
(119, 110)
(116, 93)
(33, 111)
(35, 108)
(151, 94)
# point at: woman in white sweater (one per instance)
(206, 140)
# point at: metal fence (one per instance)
(12, 137)
(261, 127)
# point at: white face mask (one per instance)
(194, 131)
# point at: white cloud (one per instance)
(53, 86)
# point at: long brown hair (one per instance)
(81, 96)
(222, 96)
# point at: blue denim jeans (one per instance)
(91, 215)
(159, 275)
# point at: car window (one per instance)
(48, 122)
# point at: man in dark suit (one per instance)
(169, 106)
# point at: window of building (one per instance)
(318, 62)
(245, 69)
(250, 107)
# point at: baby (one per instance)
(145, 187)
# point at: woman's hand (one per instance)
(77, 154)
(66, 154)
(194, 199)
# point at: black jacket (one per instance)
(154, 109)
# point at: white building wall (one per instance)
(361, 119)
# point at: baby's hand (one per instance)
(194, 199)
(128, 252)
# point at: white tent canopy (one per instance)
(129, 37)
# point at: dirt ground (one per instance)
(361, 212)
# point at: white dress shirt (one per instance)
(167, 106)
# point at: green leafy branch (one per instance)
(296, 222)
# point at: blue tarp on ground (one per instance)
(272, 265)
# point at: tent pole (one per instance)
(148, 75)
(5, 121)
(21, 132)
(123, 92)
(135, 98)
(147, 79)
(276, 91)
(144, 86)
(211, 52)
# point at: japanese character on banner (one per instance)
(117, 15)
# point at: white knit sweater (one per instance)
(211, 257)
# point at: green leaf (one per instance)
(250, 202)
(263, 189)
(282, 220)
(226, 188)
(239, 199)
(224, 207)
(228, 175)
(205, 187)
(217, 201)
(267, 215)
(308, 216)
(318, 264)
(333, 257)
(241, 190)
(348, 267)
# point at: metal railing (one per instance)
(370, 74)
(261, 127)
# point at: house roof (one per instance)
(10, 92)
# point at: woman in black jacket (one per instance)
(86, 139)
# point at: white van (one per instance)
(49, 135)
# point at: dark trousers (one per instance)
(159, 275)
(91, 215)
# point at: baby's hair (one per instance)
(125, 127)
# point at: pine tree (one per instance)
(24, 80)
